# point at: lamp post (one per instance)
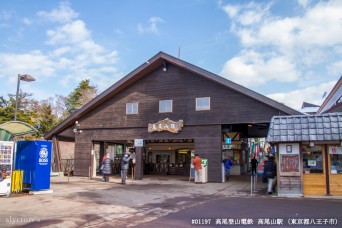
(26, 78)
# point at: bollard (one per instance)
(251, 184)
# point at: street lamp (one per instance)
(26, 78)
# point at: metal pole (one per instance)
(16, 99)
(252, 185)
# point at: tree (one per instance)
(25, 110)
(46, 119)
(80, 96)
(59, 108)
(46, 114)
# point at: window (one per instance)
(202, 103)
(336, 163)
(335, 153)
(131, 108)
(312, 159)
(165, 106)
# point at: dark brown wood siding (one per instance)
(109, 121)
(207, 143)
(183, 87)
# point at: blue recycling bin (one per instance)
(34, 158)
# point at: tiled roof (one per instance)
(305, 128)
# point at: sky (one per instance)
(288, 50)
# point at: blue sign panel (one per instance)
(228, 140)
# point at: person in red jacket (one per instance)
(197, 162)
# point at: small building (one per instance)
(333, 102)
(309, 109)
(165, 110)
(309, 154)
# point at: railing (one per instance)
(67, 166)
(157, 168)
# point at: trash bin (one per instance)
(34, 158)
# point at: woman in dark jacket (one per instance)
(269, 173)
(106, 168)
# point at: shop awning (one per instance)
(11, 129)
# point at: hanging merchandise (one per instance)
(253, 149)
(6, 161)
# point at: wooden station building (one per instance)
(170, 108)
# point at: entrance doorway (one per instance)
(168, 157)
(314, 178)
(114, 150)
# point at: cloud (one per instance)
(312, 94)
(298, 49)
(63, 14)
(34, 62)
(5, 18)
(27, 21)
(248, 14)
(71, 33)
(251, 68)
(71, 56)
(303, 3)
(151, 27)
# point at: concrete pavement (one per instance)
(82, 202)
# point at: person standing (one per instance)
(227, 163)
(197, 162)
(124, 167)
(106, 167)
(269, 173)
(254, 163)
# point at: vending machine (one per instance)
(6, 161)
(34, 158)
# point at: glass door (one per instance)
(314, 179)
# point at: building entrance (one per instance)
(168, 157)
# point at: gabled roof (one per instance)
(332, 99)
(308, 108)
(307, 105)
(155, 62)
(305, 128)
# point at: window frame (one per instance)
(130, 109)
(167, 111)
(202, 108)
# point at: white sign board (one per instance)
(138, 142)
(289, 148)
(335, 150)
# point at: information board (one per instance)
(6, 161)
(289, 164)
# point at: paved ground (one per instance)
(92, 203)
